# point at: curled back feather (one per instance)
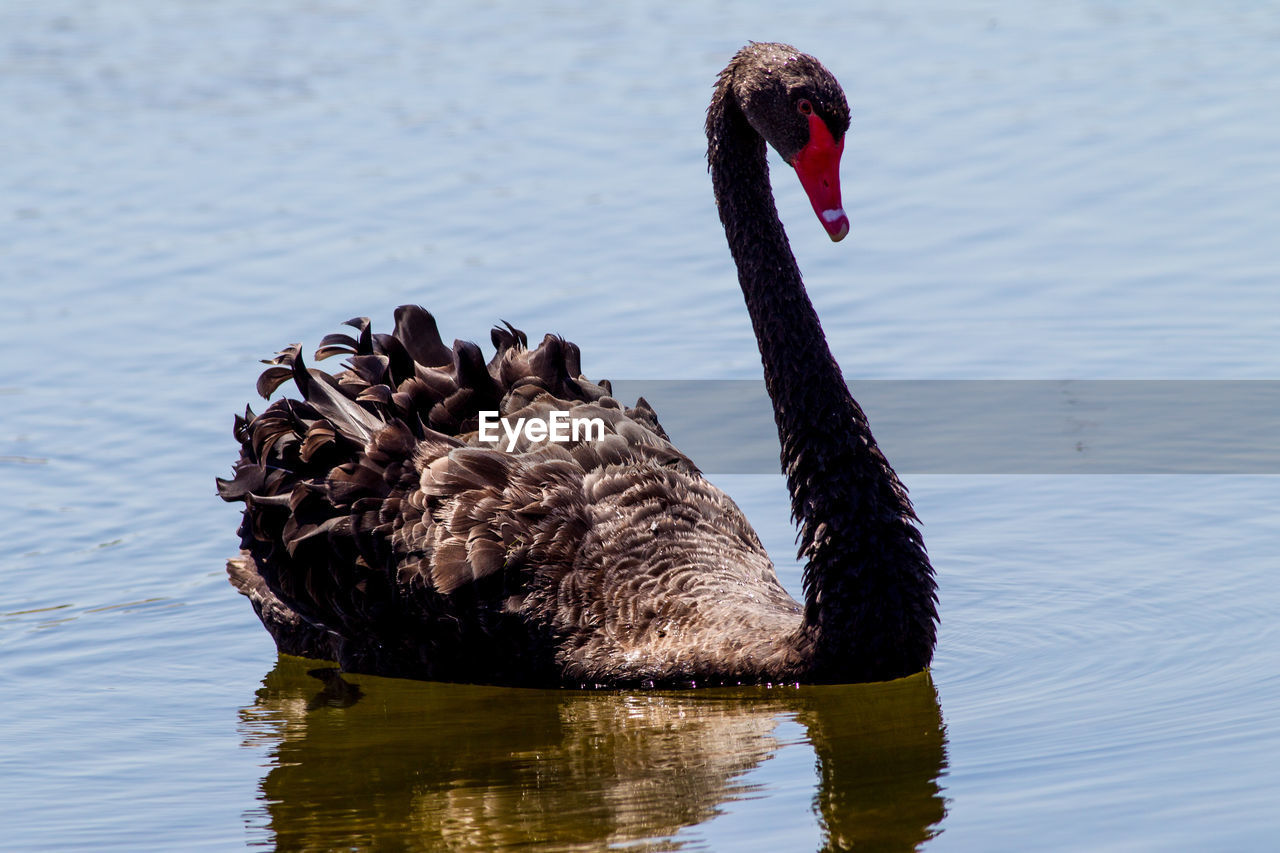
(372, 507)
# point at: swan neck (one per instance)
(870, 606)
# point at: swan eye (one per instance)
(805, 108)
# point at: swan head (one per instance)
(797, 106)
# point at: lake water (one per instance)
(1037, 191)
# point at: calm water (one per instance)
(1037, 192)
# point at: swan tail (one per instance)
(293, 634)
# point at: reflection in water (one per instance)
(359, 762)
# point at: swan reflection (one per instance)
(360, 762)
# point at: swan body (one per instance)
(382, 531)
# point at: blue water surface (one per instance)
(1036, 190)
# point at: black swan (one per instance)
(380, 531)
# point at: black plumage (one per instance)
(381, 532)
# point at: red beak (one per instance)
(818, 167)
